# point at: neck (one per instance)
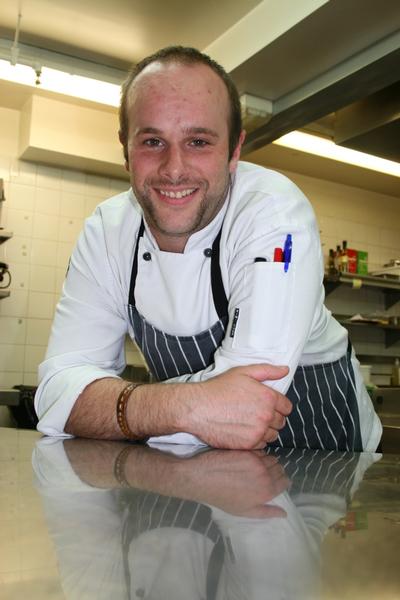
(168, 243)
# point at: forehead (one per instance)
(162, 85)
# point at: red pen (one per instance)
(278, 255)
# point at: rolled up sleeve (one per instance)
(87, 337)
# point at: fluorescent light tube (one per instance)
(80, 87)
(61, 82)
(17, 73)
(312, 144)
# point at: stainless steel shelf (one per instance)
(9, 397)
(392, 332)
(5, 235)
(390, 286)
(4, 294)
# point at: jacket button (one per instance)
(147, 256)
(208, 252)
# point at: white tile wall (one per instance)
(72, 181)
(43, 252)
(45, 226)
(91, 202)
(20, 275)
(133, 354)
(42, 278)
(10, 378)
(19, 222)
(21, 196)
(13, 330)
(12, 357)
(16, 305)
(69, 229)
(47, 200)
(32, 357)
(45, 208)
(40, 305)
(17, 249)
(48, 177)
(37, 331)
(72, 205)
(23, 172)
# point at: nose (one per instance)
(173, 164)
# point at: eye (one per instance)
(152, 142)
(199, 143)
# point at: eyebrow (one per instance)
(187, 131)
(201, 130)
(153, 130)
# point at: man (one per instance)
(184, 262)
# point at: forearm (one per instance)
(233, 410)
(152, 409)
(142, 467)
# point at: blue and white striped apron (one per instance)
(325, 410)
(147, 511)
(310, 473)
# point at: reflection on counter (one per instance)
(131, 521)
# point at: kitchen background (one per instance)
(45, 208)
(67, 168)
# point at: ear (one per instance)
(236, 153)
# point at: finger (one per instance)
(271, 435)
(268, 460)
(260, 445)
(279, 482)
(263, 372)
(278, 421)
(283, 405)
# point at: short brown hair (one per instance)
(187, 56)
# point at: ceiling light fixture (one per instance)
(319, 146)
(61, 82)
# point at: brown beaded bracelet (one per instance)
(122, 403)
(119, 467)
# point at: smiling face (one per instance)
(178, 146)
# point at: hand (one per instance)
(240, 483)
(236, 411)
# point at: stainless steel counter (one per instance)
(89, 519)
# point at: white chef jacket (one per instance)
(282, 318)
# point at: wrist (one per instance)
(189, 397)
(124, 398)
(160, 408)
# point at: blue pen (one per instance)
(287, 251)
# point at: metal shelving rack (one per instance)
(5, 235)
(390, 286)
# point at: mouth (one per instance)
(176, 197)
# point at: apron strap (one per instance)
(135, 267)
(218, 291)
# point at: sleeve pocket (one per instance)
(262, 319)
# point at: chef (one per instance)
(214, 268)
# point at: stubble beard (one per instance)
(208, 208)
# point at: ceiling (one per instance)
(120, 32)
(331, 66)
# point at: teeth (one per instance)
(180, 194)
